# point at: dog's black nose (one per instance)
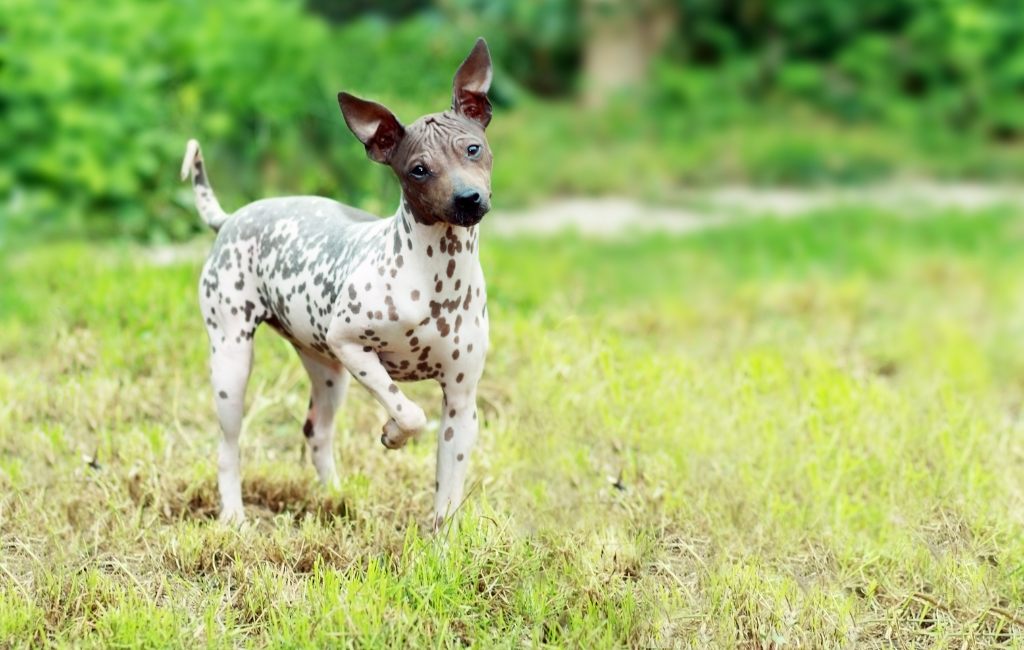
(467, 200)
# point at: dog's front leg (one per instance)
(456, 438)
(407, 419)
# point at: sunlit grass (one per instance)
(802, 433)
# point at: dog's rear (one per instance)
(206, 202)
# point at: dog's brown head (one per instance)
(442, 160)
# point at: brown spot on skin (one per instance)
(223, 395)
(367, 348)
(458, 283)
(458, 323)
(469, 348)
(448, 433)
(307, 429)
(455, 354)
(399, 261)
(437, 287)
(425, 353)
(459, 378)
(330, 384)
(378, 315)
(451, 413)
(409, 333)
(392, 389)
(394, 272)
(414, 341)
(443, 327)
(459, 458)
(430, 251)
(442, 246)
(380, 269)
(451, 268)
(415, 295)
(368, 286)
(424, 321)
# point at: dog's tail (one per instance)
(206, 202)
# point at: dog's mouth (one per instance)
(466, 218)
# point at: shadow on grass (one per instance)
(266, 499)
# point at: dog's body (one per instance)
(385, 300)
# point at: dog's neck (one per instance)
(436, 249)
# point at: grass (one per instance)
(631, 148)
(785, 434)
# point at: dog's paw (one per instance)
(393, 438)
(232, 517)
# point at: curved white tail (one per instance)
(206, 201)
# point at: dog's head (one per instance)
(442, 160)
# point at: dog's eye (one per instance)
(473, 150)
(419, 171)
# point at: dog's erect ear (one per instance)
(472, 81)
(375, 126)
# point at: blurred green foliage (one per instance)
(97, 103)
(952, 63)
(97, 106)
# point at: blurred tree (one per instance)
(622, 38)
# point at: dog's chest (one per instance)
(425, 318)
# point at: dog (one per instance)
(385, 301)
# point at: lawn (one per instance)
(797, 433)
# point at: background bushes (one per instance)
(96, 103)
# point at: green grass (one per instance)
(785, 434)
(630, 148)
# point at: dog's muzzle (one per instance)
(468, 208)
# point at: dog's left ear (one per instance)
(472, 81)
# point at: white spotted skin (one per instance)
(356, 295)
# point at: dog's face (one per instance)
(442, 160)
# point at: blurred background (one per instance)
(633, 98)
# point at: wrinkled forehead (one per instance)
(439, 134)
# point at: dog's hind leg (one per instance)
(231, 330)
(231, 363)
(329, 381)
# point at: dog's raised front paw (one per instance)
(393, 438)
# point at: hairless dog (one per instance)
(384, 300)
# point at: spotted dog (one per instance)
(383, 300)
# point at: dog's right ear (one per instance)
(375, 126)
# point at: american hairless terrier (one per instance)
(385, 300)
